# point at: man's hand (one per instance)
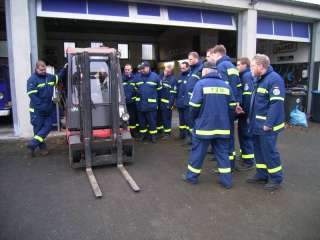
(239, 110)
(266, 128)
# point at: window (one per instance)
(148, 52)
(124, 50)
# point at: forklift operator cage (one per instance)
(104, 71)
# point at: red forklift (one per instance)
(97, 117)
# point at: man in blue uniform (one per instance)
(166, 98)
(182, 97)
(130, 94)
(40, 87)
(211, 105)
(230, 75)
(266, 121)
(193, 77)
(245, 139)
(147, 87)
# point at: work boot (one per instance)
(166, 136)
(226, 186)
(272, 186)
(242, 166)
(31, 150)
(256, 180)
(142, 138)
(153, 139)
(44, 152)
(184, 178)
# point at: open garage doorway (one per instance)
(137, 42)
(291, 60)
(6, 120)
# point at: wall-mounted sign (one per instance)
(96, 44)
(285, 47)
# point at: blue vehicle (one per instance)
(5, 96)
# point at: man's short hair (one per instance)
(209, 65)
(194, 54)
(218, 49)
(128, 64)
(40, 63)
(244, 61)
(185, 63)
(262, 59)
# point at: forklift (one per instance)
(97, 117)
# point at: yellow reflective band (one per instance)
(247, 156)
(132, 84)
(195, 76)
(160, 127)
(152, 100)
(231, 158)
(278, 127)
(132, 127)
(159, 88)
(212, 132)
(166, 85)
(233, 71)
(32, 91)
(224, 170)
(275, 170)
(167, 130)
(182, 127)
(41, 85)
(234, 153)
(139, 83)
(153, 132)
(143, 130)
(133, 98)
(261, 117)
(164, 100)
(276, 98)
(137, 99)
(137, 124)
(152, 83)
(173, 91)
(262, 90)
(216, 90)
(180, 81)
(40, 139)
(57, 79)
(239, 85)
(125, 83)
(232, 104)
(197, 105)
(190, 129)
(194, 170)
(261, 166)
(51, 83)
(247, 93)
(31, 109)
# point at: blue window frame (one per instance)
(110, 8)
(148, 9)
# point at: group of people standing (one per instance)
(210, 96)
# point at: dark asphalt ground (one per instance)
(43, 198)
